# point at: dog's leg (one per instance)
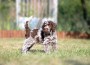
(24, 49)
(46, 45)
(54, 43)
(30, 47)
(54, 47)
(27, 45)
(46, 48)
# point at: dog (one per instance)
(45, 35)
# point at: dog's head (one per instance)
(49, 27)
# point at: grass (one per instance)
(70, 52)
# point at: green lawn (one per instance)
(70, 52)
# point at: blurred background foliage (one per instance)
(7, 15)
(71, 15)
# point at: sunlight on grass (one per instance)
(70, 52)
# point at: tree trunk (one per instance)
(84, 9)
(85, 12)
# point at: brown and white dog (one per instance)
(47, 35)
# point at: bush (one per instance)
(70, 16)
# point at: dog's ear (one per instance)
(52, 25)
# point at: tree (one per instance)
(83, 2)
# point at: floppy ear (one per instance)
(53, 25)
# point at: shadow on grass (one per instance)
(36, 51)
(33, 51)
(75, 62)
